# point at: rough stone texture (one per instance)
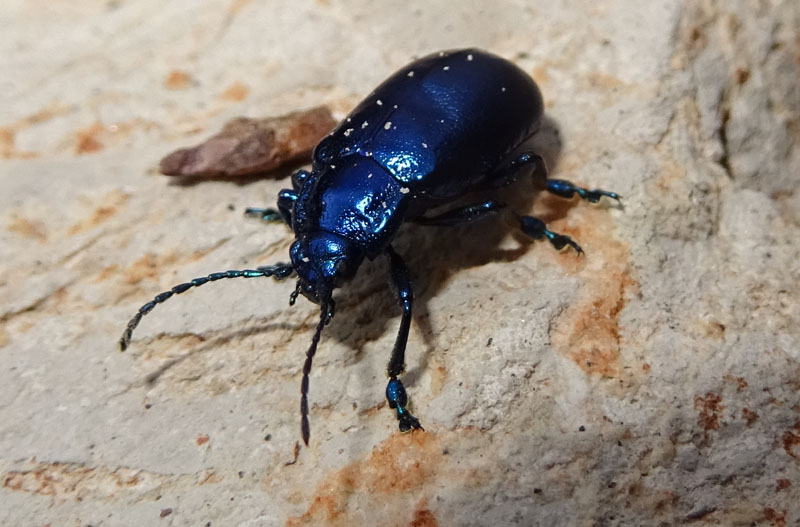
(653, 382)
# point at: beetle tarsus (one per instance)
(536, 229)
(263, 214)
(398, 399)
(406, 421)
(565, 189)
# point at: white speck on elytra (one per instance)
(380, 102)
(395, 107)
(411, 73)
(424, 145)
(364, 124)
(469, 57)
(348, 132)
(387, 125)
(503, 89)
(405, 190)
(369, 176)
(349, 119)
(446, 68)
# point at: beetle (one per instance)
(442, 127)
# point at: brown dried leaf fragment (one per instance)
(251, 146)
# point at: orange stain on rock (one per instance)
(111, 201)
(8, 146)
(144, 267)
(55, 479)
(400, 465)
(749, 416)
(210, 478)
(98, 136)
(177, 80)
(6, 140)
(106, 273)
(8, 134)
(709, 410)
(539, 74)
(588, 331)
(741, 384)
(28, 228)
(604, 81)
(202, 439)
(236, 6)
(236, 92)
(438, 378)
(778, 519)
(423, 517)
(791, 441)
(87, 141)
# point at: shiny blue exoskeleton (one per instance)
(446, 125)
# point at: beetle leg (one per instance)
(559, 187)
(536, 229)
(263, 214)
(513, 170)
(533, 227)
(395, 391)
(462, 214)
(565, 189)
(286, 199)
(534, 160)
(298, 178)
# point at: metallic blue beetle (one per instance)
(446, 125)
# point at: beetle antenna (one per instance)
(278, 271)
(324, 318)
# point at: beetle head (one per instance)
(323, 261)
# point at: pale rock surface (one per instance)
(653, 382)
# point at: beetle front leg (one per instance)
(298, 178)
(286, 199)
(395, 391)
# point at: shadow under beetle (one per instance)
(444, 126)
